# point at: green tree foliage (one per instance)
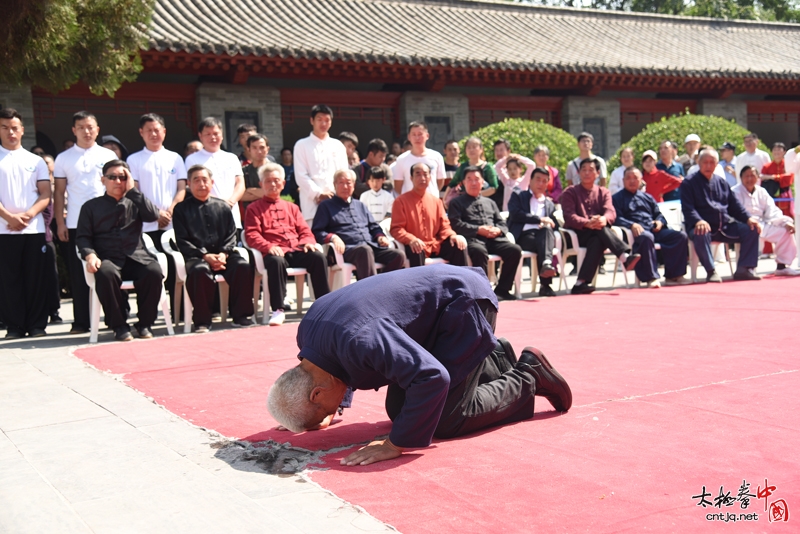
(712, 131)
(524, 136)
(53, 44)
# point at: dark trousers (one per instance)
(596, 242)
(52, 286)
(77, 280)
(674, 250)
(146, 278)
(541, 241)
(23, 299)
(169, 283)
(365, 256)
(494, 393)
(446, 252)
(314, 262)
(479, 250)
(732, 232)
(201, 287)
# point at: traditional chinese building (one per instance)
(457, 64)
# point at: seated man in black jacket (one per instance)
(206, 236)
(109, 238)
(478, 219)
(531, 221)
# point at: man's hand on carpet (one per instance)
(377, 451)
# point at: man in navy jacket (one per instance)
(430, 339)
(712, 212)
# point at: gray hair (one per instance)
(708, 152)
(344, 172)
(289, 400)
(271, 167)
(541, 148)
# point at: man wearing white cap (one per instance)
(692, 145)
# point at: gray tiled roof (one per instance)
(478, 34)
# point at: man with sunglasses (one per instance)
(109, 238)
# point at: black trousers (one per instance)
(365, 256)
(541, 241)
(314, 262)
(23, 299)
(52, 286)
(479, 250)
(446, 252)
(494, 393)
(80, 291)
(146, 279)
(596, 242)
(201, 287)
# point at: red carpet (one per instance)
(674, 389)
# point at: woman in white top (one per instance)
(626, 158)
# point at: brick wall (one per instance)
(214, 99)
(416, 106)
(727, 109)
(577, 109)
(20, 99)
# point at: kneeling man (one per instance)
(777, 228)
(431, 340)
(638, 211)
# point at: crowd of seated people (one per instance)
(321, 205)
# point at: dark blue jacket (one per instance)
(352, 222)
(711, 201)
(519, 212)
(639, 208)
(424, 333)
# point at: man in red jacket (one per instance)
(276, 229)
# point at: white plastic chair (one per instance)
(261, 282)
(535, 267)
(170, 247)
(94, 300)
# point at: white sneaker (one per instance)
(654, 284)
(277, 318)
(786, 271)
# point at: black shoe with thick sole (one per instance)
(13, 333)
(56, 319)
(583, 289)
(549, 383)
(143, 333)
(123, 334)
(37, 332)
(78, 329)
(505, 296)
(632, 260)
(546, 291)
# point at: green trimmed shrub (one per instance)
(712, 131)
(524, 136)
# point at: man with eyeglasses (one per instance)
(109, 238)
(77, 174)
(276, 229)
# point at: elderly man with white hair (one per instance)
(349, 227)
(276, 229)
(431, 340)
(777, 228)
(712, 212)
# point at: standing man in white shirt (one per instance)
(752, 156)
(77, 174)
(585, 145)
(161, 177)
(225, 166)
(401, 169)
(24, 193)
(316, 158)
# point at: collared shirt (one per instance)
(423, 217)
(537, 207)
(757, 159)
(315, 162)
(615, 182)
(112, 229)
(659, 182)
(83, 169)
(709, 200)
(351, 221)
(760, 205)
(204, 227)
(422, 333)
(639, 208)
(20, 174)
(269, 223)
(468, 213)
(379, 204)
(580, 204)
(674, 168)
(401, 169)
(574, 170)
(158, 174)
(225, 167)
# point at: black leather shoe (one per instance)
(122, 334)
(546, 291)
(78, 329)
(143, 332)
(37, 332)
(505, 296)
(13, 333)
(507, 349)
(632, 260)
(549, 384)
(56, 319)
(583, 289)
(601, 269)
(548, 271)
(746, 274)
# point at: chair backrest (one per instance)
(672, 213)
(167, 239)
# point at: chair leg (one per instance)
(693, 261)
(256, 290)
(299, 280)
(187, 311)
(518, 280)
(223, 301)
(177, 294)
(166, 312)
(94, 314)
